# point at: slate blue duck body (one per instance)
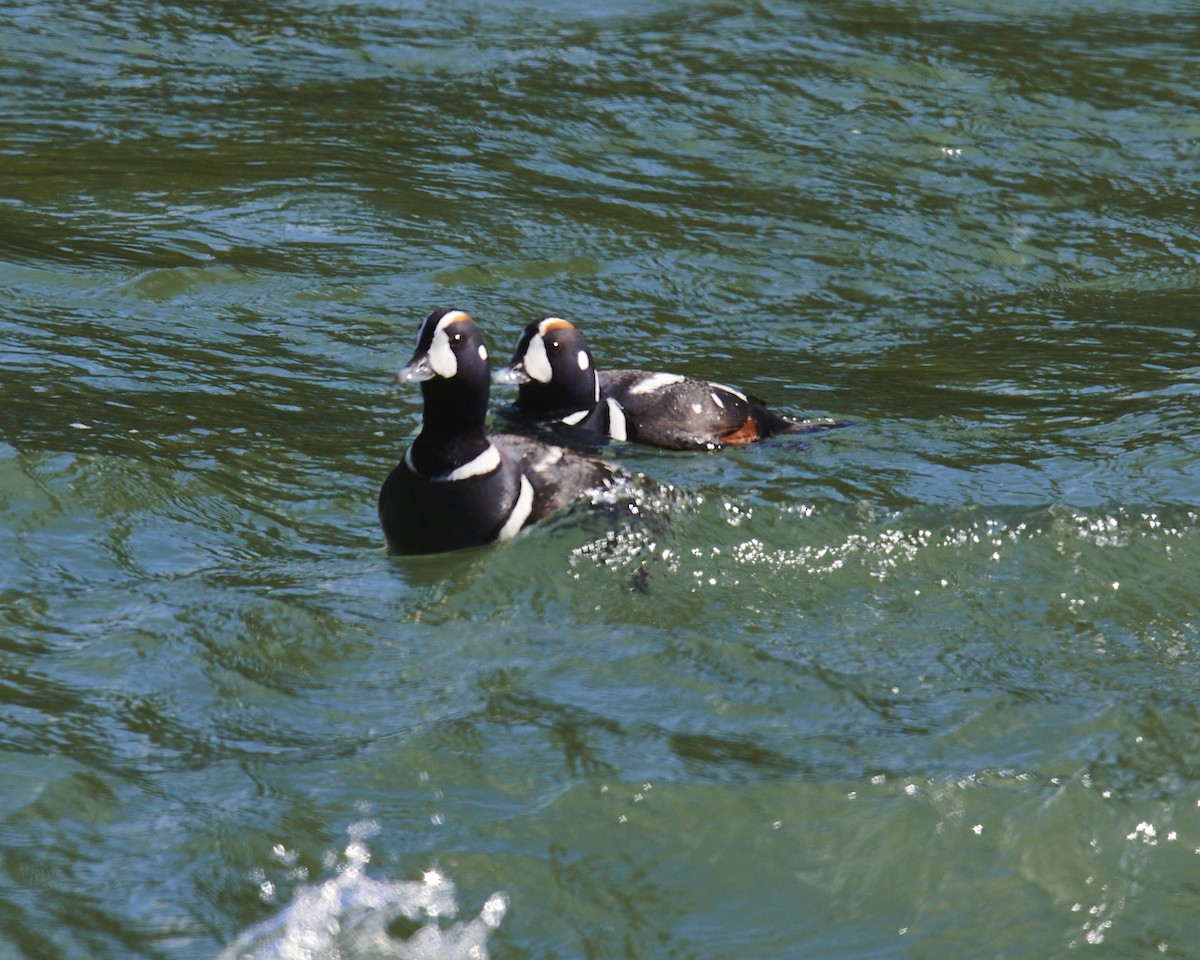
(559, 382)
(457, 486)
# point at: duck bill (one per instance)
(417, 370)
(513, 373)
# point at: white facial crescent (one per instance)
(442, 360)
(537, 363)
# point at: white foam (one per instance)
(349, 914)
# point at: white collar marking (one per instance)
(519, 513)
(487, 462)
(656, 381)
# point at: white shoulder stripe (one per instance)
(656, 381)
(573, 418)
(617, 428)
(520, 511)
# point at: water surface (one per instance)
(923, 686)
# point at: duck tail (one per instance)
(769, 423)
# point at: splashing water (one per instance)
(348, 917)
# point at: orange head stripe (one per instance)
(554, 323)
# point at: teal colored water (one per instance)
(925, 686)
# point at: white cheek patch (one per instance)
(482, 352)
(441, 357)
(656, 381)
(584, 362)
(537, 363)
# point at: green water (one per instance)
(922, 687)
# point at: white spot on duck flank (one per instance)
(584, 362)
(552, 456)
(656, 381)
(520, 511)
(698, 407)
(617, 427)
(537, 362)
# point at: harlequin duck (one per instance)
(558, 381)
(457, 486)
